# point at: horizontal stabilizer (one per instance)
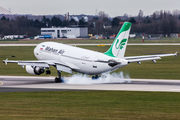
(143, 59)
(147, 57)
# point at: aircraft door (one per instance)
(94, 64)
(37, 52)
(58, 34)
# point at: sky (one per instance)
(75, 7)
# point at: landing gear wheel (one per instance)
(48, 72)
(58, 80)
(95, 77)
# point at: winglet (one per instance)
(6, 61)
(176, 54)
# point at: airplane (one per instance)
(68, 58)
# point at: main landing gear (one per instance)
(95, 77)
(58, 79)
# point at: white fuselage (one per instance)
(86, 61)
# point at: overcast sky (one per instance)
(111, 7)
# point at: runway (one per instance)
(28, 83)
(95, 44)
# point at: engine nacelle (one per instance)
(34, 70)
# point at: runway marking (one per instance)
(1, 83)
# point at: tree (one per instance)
(154, 16)
(140, 15)
(176, 13)
(45, 22)
(161, 15)
(82, 22)
(37, 24)
(72, 22)
(172, 24)
(106, 21)
(132, 20)
(65, 23)
(3, 18)
(164, 27)
(95, 18)
(115, 22)
(56, 21)
(5, 28)
(102, 15)
(21, 21)
(147, 20)
(99, 27)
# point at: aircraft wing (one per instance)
(147, 57)
(60, 66)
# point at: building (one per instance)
(14, 37)
(67, 32)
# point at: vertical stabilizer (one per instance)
(118, 47)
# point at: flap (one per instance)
(34, 64)
(63, 68)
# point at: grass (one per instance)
(9, 40)
(162, 40)
(90, 105)
(92, 41)
(166, 68)
(95, 105)
(65, 41)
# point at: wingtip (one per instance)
(176, 54)
(5, 61)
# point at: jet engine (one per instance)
(34, 70)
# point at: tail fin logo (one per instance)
(121, 44)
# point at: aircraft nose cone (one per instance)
(36, 51)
